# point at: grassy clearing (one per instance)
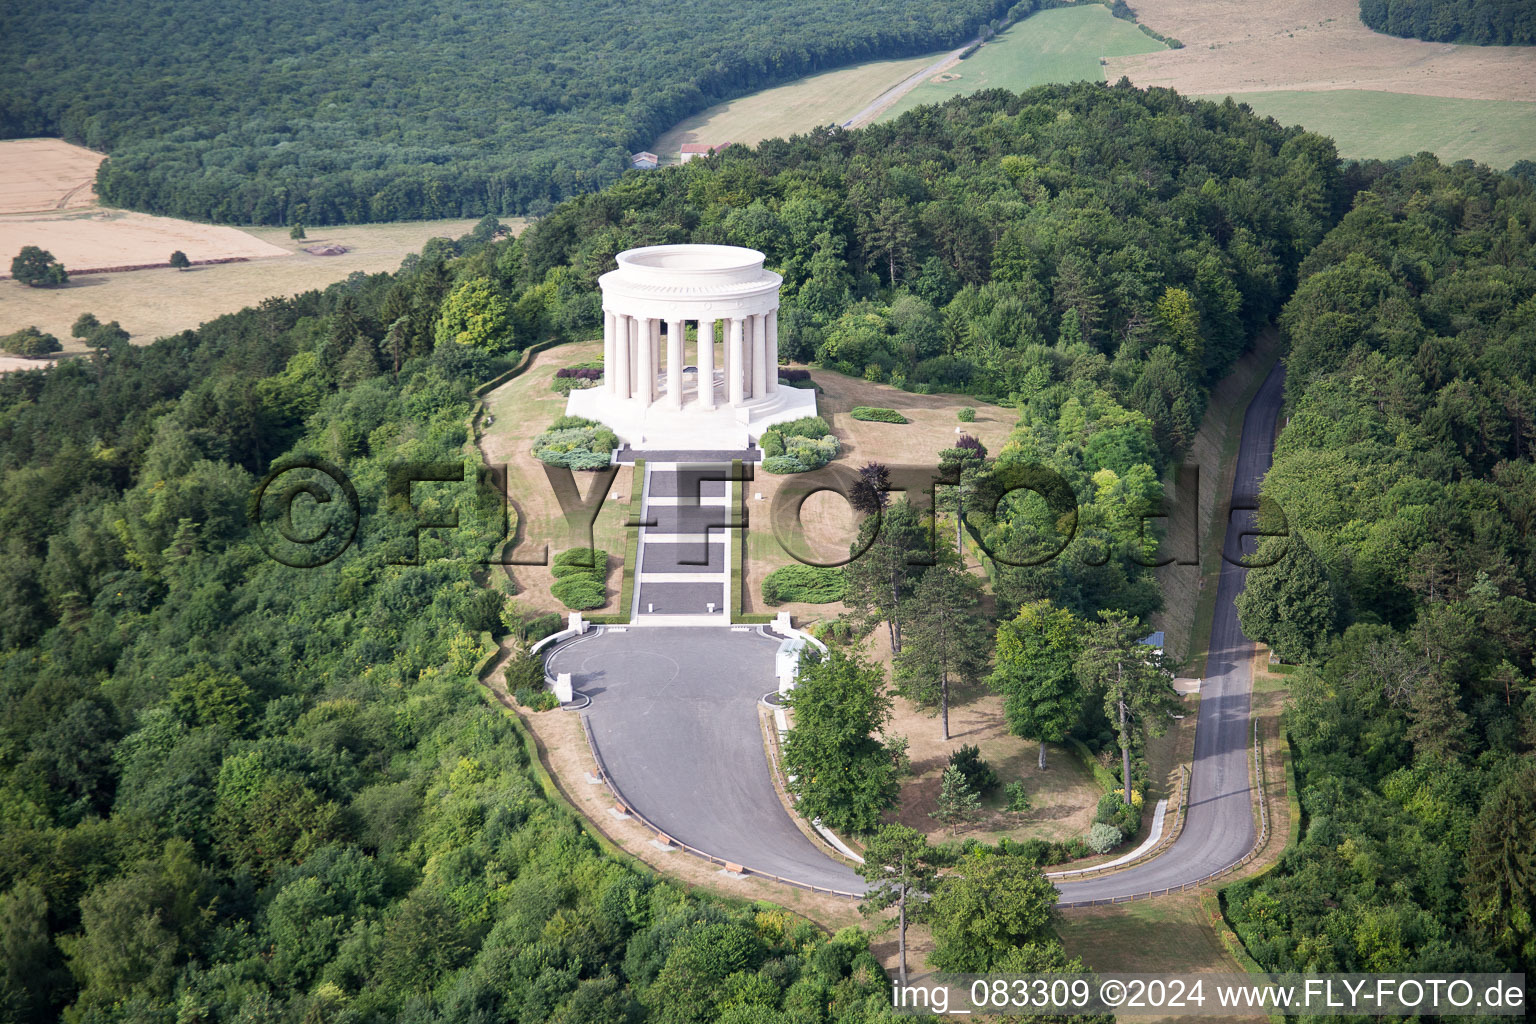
(1062, 45)
(1392, 124)
(1062, 798)
(154, 303)
(827, 525)
(520, 410)
(1170, 934)
(829, 98)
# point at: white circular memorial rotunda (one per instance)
(662, 390)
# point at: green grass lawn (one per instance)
(1062, 45)
(1393, 124)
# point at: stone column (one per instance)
(655, 360)
(609, 387)
(759, 355)
(620, 375)
(675, 333)
(772, 380)
(735, 366)
(707, 364)
(725, 357)
(647, 370)
(748, 382)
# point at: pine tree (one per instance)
(946, 638)
(1133, 678)
(958, 803)
(901, 870)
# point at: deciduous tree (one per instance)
(843, 773)
(1036, 671)
(989, 905)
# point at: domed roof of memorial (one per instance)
(690, 269)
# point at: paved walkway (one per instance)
(684, 556)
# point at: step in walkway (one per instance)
(683, 565)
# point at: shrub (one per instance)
(979, 775)
(536, 700)
(1018, 799)
(796, 447)
(524, 671)
(809, 426)
(577, 561)
(576, 443)
(789, 376)
(877, 415)
(1102, 838)
(575, 378)
(967, 415)
(535, 629)
(1113, 810)
(29, 341)
(812, 584)
(581, 592)
(783, 464)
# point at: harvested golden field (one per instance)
(38, 175)
(46, 174)
(1236, 47)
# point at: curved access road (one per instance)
(1218, 828)
(675, 725)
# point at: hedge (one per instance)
(576, 443)
(580, 592)
(875, 414)
(581, 578)
(812, 584)
(799, 446)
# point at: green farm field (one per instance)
(1368, 123)
(1062, 45)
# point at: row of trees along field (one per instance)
(1405, 591)
(403, 110)
(1485, 22)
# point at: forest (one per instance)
(1483, 22)
(231, 789)
(1407, 479)
(328, 112)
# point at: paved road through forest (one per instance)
(1219, 827)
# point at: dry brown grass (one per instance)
(94, 238)
(1236, 47)
(522, 408)
(1062, 798)
(1167, 935)
(46, 200)
(827, 525)
(46, 174)
(153, 303)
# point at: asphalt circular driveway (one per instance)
(674, 716)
